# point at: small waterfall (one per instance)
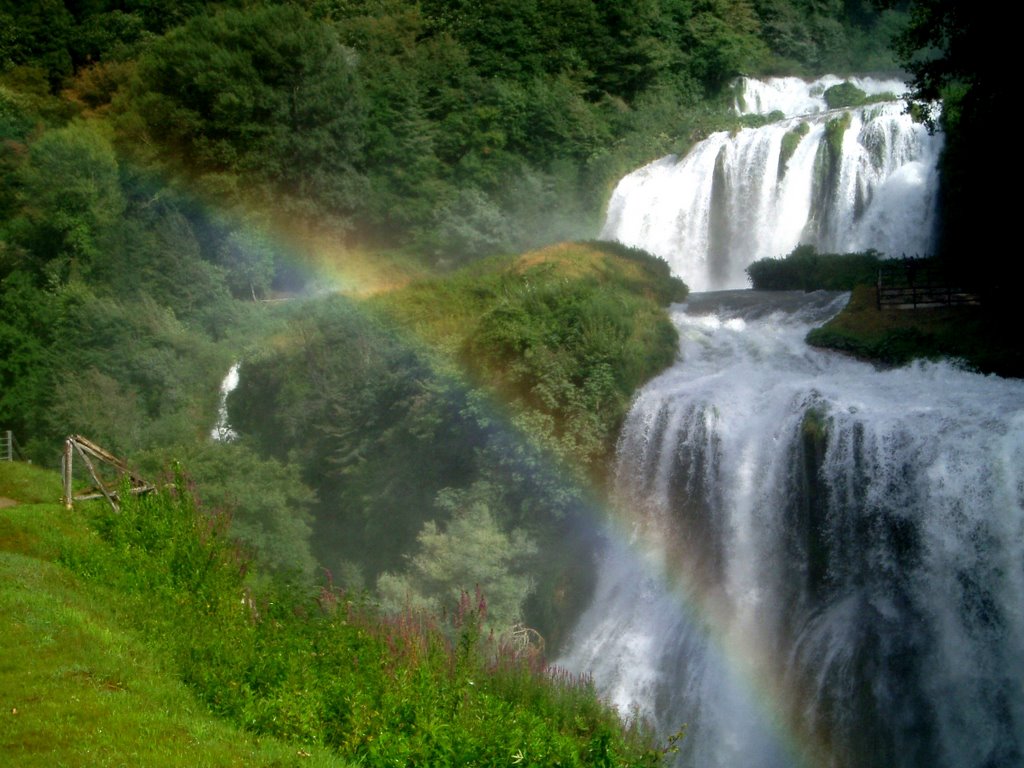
(222, 431)
(841, 180)
(821, 563)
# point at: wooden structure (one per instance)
(917, 283)
(89, 452)
(7, 445)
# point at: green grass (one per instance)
(28, 484)
(126, 642)
(977, 335)
(78, 687)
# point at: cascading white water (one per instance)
(841, 180)
(222, 431)
(827, 560)
(793, 96)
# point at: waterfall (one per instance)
(841, 180)
(819, 563)
(222, 431)
(793, 96)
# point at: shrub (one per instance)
(804, 269)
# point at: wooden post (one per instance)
(95, 477)
(65, 465)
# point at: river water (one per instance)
(815, 561)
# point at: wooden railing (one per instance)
(917, 283)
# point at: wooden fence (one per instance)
(917, 283)
(95, 458)
(9, 447)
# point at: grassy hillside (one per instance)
(77, 686)
(125, 634)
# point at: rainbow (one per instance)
(326, 265)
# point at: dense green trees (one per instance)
(453, 127)
(407, 453)
(72, 223)
(264, 93)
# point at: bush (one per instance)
(844, 94)
(804, 269)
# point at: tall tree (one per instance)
(267, 93)
(72, 203)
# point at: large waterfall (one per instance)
(841, 180)
(819, 563)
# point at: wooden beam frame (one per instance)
(87, 451)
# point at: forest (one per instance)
(358, 200)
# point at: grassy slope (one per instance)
(894, 336)
(76, 689)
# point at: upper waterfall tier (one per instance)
(840, 180)
(795, 97)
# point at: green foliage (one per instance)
(725, 40)
(472, 552)
(844, 94)
(267, 93)
(569, 352)
(805, 269)
(815, 36)
(984, 338)
(396, 443)
(790, 141)
(327, 670)
(376, 432)
(835, 129)
(27, 360)
(265, 500)
(757, 121)
(70, 223)
(248, 256)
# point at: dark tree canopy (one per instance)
(954, 52)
